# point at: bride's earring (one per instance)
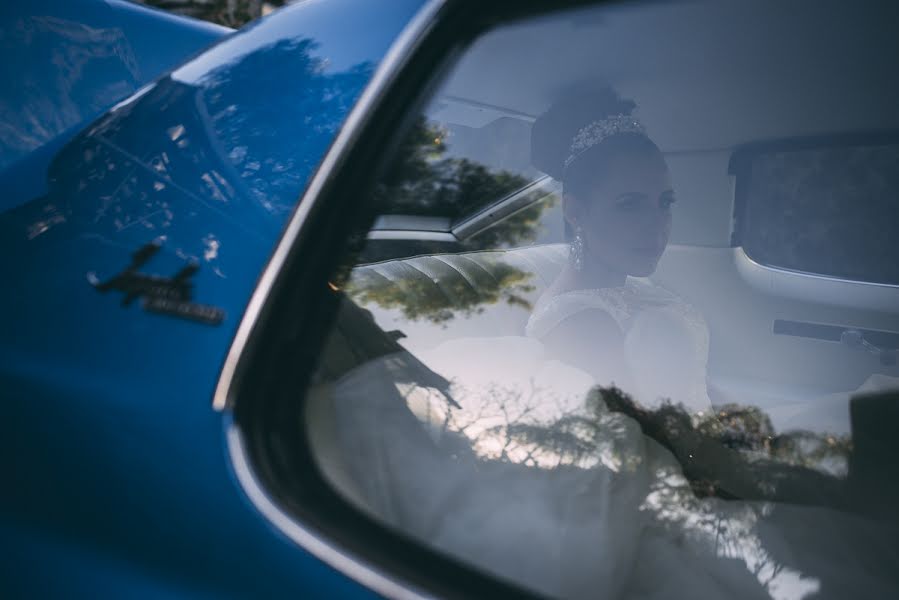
(577, 249)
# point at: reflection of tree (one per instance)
(274, 137)
(230, 13)
(749, 430)
(518, 228)
(731, 454)
(591, 474)
(206, 164)
(734, 453)
(420, 298)
(49, 101)
(422, 180)
(509, 426)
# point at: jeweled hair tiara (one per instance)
(597, 131)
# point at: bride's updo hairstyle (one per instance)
(585, 114)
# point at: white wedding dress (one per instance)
(623, 524)
(666, 345)
(626, 525)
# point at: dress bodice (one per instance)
(666, 340)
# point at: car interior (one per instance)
(764, 347)
(717, 86)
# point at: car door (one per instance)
(121, 300)
(396, 411)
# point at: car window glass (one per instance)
(587, 390)
(827, 210)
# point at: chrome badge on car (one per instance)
(159, 294)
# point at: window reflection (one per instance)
(569, 399)
(722, 501)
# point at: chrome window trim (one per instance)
(405, 234)
(411, 223)
(310, 541)
(393, 61)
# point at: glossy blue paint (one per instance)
(112, 453)
(68, 61)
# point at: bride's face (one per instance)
(626, 220)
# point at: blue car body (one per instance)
(117, 480)
(68, 63)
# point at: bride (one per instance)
(600, 314)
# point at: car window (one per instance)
(829, 210)
(590, 390)
(450, 170)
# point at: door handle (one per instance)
(856, 339)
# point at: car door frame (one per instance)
(291, 310)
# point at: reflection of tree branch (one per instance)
(714, 468)
(734, 454)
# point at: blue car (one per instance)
(444, 298)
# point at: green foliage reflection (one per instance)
(424, 181)
(420, 298)
(733, 453)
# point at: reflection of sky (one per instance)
(338, 56)
(502, 381)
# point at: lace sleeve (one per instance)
(549, 314)
(666, 340)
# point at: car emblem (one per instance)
(158, 294)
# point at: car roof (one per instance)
(687, 97)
